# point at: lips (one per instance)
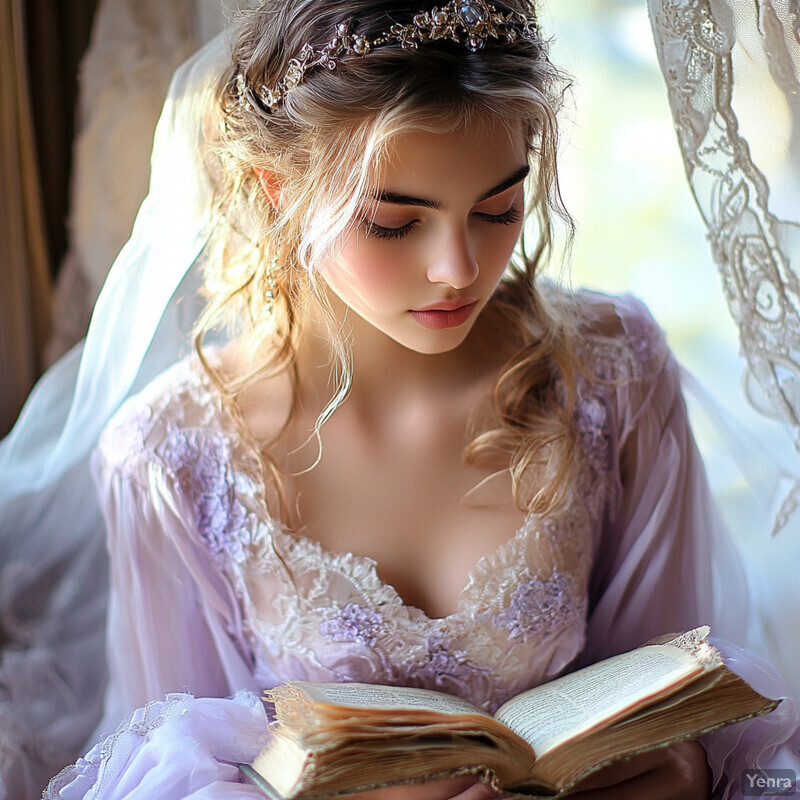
(448, 305)
(445, 313)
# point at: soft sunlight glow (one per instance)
(639, 230)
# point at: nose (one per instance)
(454, 262)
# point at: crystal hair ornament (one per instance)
(469, 22)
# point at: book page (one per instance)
(550, 714)
(366, 695)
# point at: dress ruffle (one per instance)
(179, 748)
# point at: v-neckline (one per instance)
(369, 577)
(244, 449)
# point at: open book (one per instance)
(341, 738)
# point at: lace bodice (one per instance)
(308, 613)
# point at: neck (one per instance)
(385, 374)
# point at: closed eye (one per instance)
(506, 218)
(509, 217)
(382, 232)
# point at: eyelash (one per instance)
(390, 233)
(506, 218)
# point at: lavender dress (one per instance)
(203, 606)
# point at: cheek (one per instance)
(498, 247)
(366, 272)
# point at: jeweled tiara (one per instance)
(469, 22)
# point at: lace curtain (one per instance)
(731, 70)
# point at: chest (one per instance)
(422, 514)
(406, 568)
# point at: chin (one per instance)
(430, 344)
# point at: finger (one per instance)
(478, 791)
(437, 790)
(681, 773)
(621, 771)
(633, 789)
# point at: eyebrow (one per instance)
(397, 199)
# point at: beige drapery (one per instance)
(24, 274)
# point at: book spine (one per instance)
(250, 776)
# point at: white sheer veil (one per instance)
(52, 549)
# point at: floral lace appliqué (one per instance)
(201, 465)
(353, 624)
(537, 607)
(591, 417)
(444, 660)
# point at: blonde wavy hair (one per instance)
(323, 146)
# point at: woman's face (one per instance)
(435, 242)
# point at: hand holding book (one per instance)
(678, 771)
(466, 787)
(343, 738)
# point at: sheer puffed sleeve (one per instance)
(181, 708)
(664, 561)
(174, 620)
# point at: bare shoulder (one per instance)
(264, 400)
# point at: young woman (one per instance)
(410, 460)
